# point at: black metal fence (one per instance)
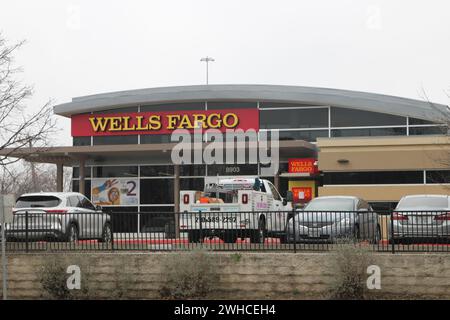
(289, 231)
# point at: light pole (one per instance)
(207, 60)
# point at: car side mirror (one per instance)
(98, 208)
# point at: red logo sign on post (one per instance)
(163, 122)
(302, 194)
(303, 165)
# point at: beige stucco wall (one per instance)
(415, 153)
(384, 153)
(242, 275)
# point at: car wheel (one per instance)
(395, 241)
(261, 231)
(193, 236)
(107, 234)
(284, 239)
(72, 233)
(259, 235)
(230, 237)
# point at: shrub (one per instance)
(188, 275)
(53, 278)
(349, 264)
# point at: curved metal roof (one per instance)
(276, 93)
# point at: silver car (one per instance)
(325, 219)
(421, 217)
(63, 216)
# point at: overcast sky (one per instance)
(78, 48)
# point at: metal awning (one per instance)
(135, 153)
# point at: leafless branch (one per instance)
(18, 128)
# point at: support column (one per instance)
(276, 181)
(176, 198)
(59, 177)
(82, 176)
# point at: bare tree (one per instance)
(442, 158)
(19, 128)
(17, 178)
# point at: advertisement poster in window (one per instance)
(115, 191)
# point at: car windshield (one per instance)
(37, 202)
(330, 204)
(427, 202)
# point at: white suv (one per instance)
(66, 216)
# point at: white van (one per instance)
(235, 208)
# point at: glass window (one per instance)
(174, 106)
(115, 171)
(373, 177)
(111, 140)
(330, 204)
(373, 132)
(157, 191)
(85, 203)
(343, 117)
(37, 202)
(155, 138)
(73, 201)
(427, 130)
(192, 184)
(284, 186)
(190, 170)
(413, 121)
(424, 202)
(283, 105)
(157, 171)
(294, 118)
(230, 170)
(87, 187)
(439, 176)
(81, 141)
(276, 195)
(158, 219)
(241, 137)
(117, 110)
(362, 205)
(123, 219)
(231, 105)
(282, 167)
(76, 172)
(381, 207)
(307, 135)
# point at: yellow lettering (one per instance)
(139, 123)
(154, 122)
(199, 119)
(115, 124)
(235, 120)
(126, 124)
(99, 124)
(172, 120)
(185, 123)
(210, 120)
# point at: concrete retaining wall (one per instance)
(241, 275)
